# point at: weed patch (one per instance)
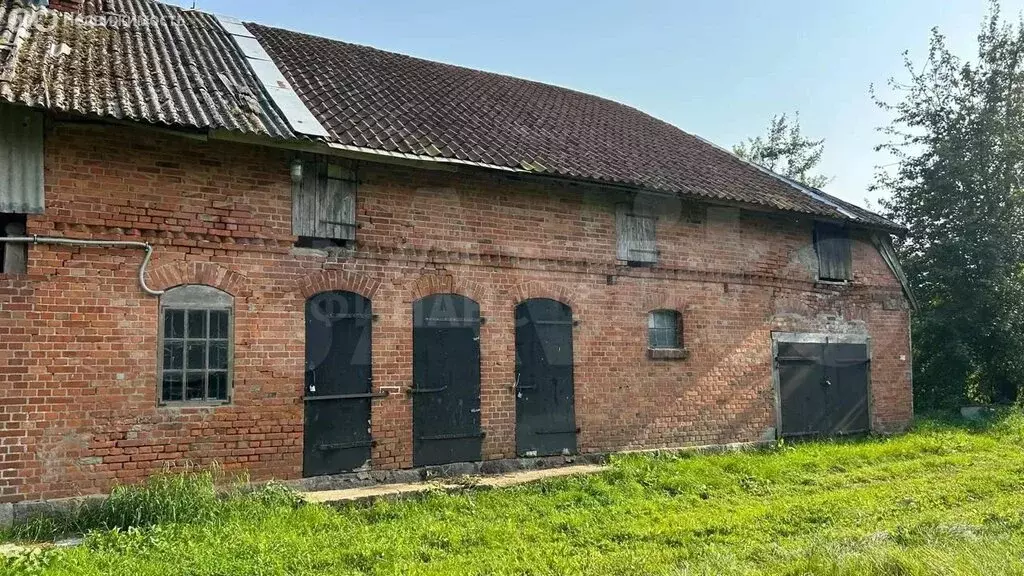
(184, 497)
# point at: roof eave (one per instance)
(817, 195)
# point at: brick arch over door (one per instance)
(205, 273)
(338, 281)
(533, 289)
(445, 283)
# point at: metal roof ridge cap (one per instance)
(792, 183)
(276, 87)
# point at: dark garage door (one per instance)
(446, 380)
(338, 383)
(823, 388)
(545, 412)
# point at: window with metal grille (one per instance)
(835, 255)
(663, 330)
(196, 335)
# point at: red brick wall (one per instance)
(78, 338)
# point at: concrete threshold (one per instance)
(448, 484)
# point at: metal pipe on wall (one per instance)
(97, 243)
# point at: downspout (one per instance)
(98, 243)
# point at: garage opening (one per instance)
(822, 384)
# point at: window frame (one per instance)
(196, 297)
(677, 319)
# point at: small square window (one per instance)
(663, 330)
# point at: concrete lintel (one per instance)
(822, 338)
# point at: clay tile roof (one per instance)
(385, 101)
(135, 60)
(164, 65)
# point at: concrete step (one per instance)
(447, 484)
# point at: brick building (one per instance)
(364, 260)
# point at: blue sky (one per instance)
(717, 68)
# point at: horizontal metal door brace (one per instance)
(360, 396)
(346, 446)
(452, 437)
(412, 390)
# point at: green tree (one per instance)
(785, 150)
(958, 138)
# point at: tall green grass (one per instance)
(186, 496)
(947, 498)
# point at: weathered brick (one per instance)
(78, 338)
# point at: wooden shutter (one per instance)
(324, 204)
(636, 240)
(304, 196)
(835, 258)
(336, 206)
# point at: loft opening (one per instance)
(324, 192)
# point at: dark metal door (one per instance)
(338, 383)
(545, 411)
(847, 371)
(823, 388)
(446, 380)
(802, 388)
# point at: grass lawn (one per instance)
(944, 499)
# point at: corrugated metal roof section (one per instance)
(287, 101)
(136, 60)
(21, 160)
